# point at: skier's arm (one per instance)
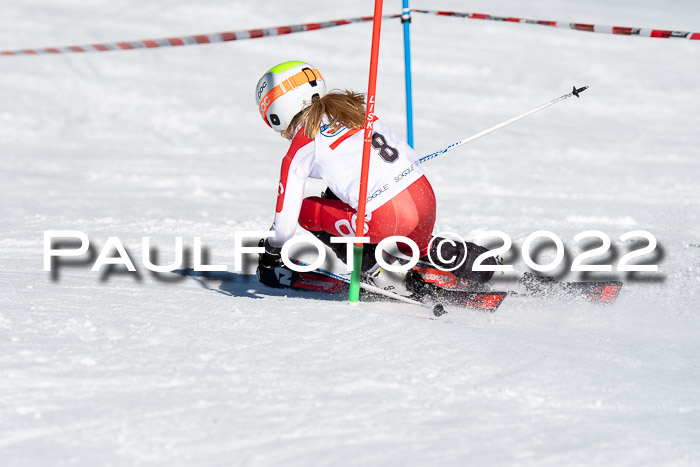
(287, 216)
(296, 167)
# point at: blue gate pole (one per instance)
(406, 20)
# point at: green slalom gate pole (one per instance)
(354, 297)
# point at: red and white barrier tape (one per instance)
(280, 30)
(619, 30)
(191, 40)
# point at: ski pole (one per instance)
(438, 308)
(575, 92)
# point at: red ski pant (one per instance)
(410, 214)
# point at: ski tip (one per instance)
(605, 292)
(486, 301)
(578, 91)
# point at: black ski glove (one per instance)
(271, 258)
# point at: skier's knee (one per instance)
(461, 261)
(478, 276)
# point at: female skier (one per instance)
(326, 134)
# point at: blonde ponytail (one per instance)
(341, 108)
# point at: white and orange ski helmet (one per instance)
(285, 90)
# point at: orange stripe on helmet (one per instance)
(306, 75)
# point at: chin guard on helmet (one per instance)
(285, 90)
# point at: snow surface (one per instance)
(124, 369)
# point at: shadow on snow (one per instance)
(246, 285)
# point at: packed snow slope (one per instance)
(131, 369)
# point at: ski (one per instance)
(604, 292)
(327, 281)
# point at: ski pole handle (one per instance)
(575, 92)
